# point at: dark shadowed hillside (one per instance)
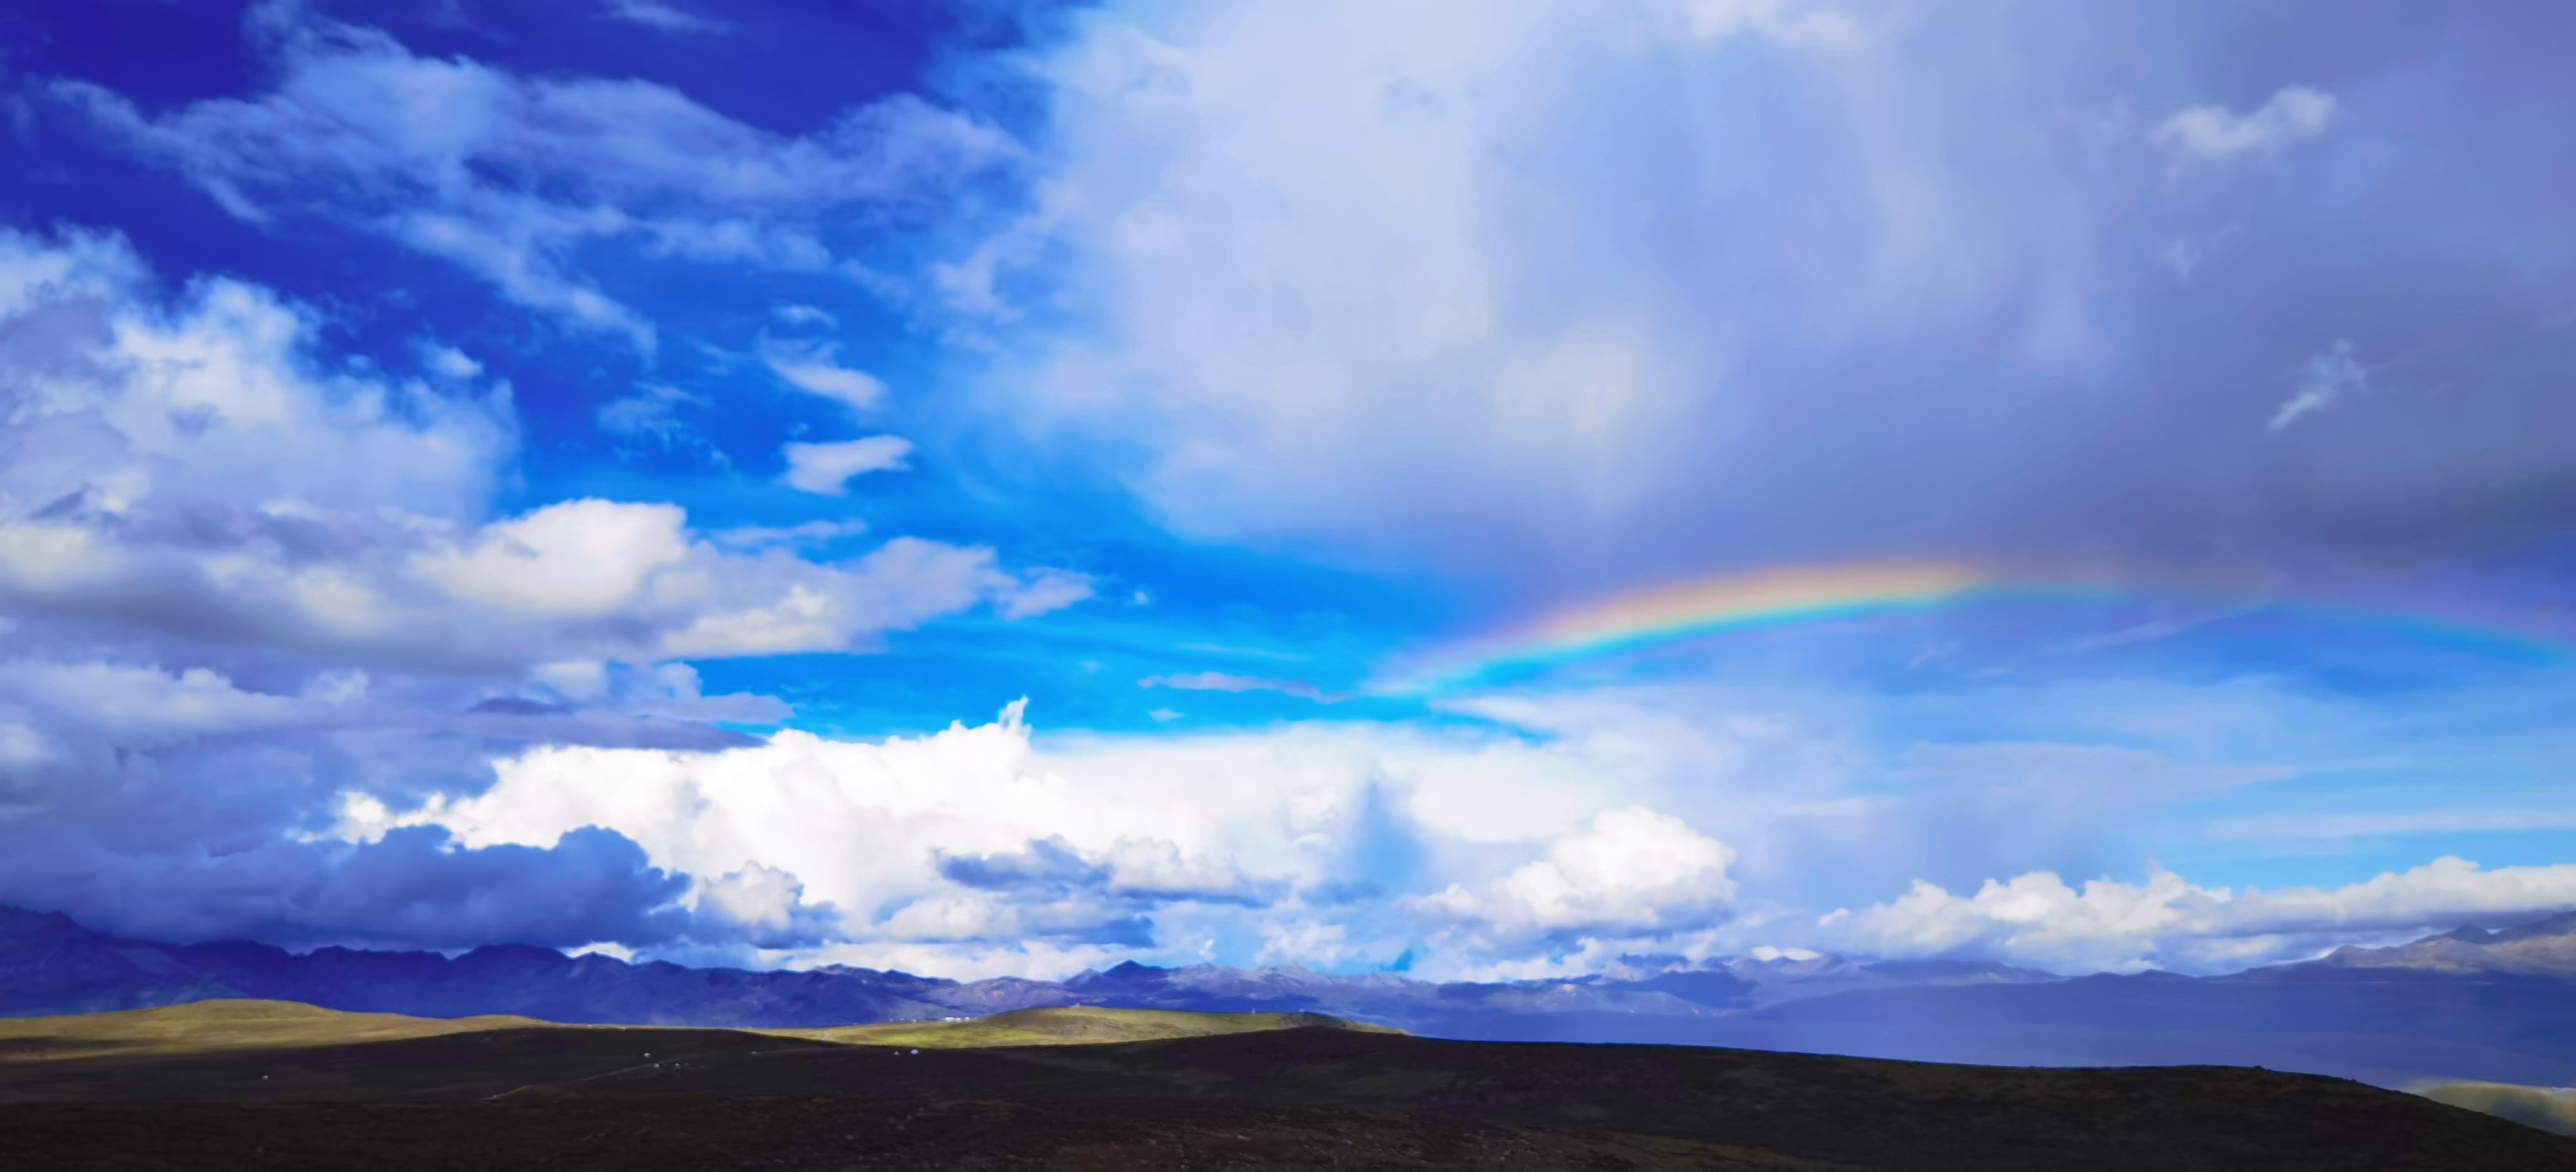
(1306, 1097)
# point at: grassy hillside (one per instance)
(645, 1099)
(2547, 1108)
(225, 1024)
(207, 1026)
(1071, 1025)
(296, 1086)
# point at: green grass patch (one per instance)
(1071, 1025)
(222, 1024)
(2547, 1108)
(227, 1024)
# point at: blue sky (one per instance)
(964, 486)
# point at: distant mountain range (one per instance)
(2473, 1004)
(2543, 949)
(51, 964)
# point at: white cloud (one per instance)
(449, 361)
(2216, 133)
(826, 469)
(1566, 275)
(860, 824)
(805, 315)
(511, 178)
(1045, 590)
(577, 558)
(2329, 377)
(1586, 826)
(669, 691)
(213, 398)
(513, 244)
(573, 679)
(2039, 919)
(1070, 838)
(21, 746)
(669, 18)
(143, 701)
(1632, 871)
(651, 411)
(776, 604)
(756, 895)
(755, 537)
(1214, 681)
(193, 467)
(814, 368)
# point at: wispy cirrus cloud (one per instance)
(1217, 681)
(667, 17)
(2328, 378)
(513, 178)
(815, 368)
(2318, 826)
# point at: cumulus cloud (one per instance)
(927, 829)
(2216, 133)
(1523, 836)
(1590, 824)
(826, 469)
(977, 839)
(2042, 920)
(448, 361)
(565, 560)
(117, 399)
(766, 903)
(512, 178)
(243, 575)
(1632, 871)
(195, 468)
(1483, 850)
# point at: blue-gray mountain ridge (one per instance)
(2476, 1004)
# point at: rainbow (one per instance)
(1809, 594)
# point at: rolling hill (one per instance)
(2473, 1005)
(1304, 1096)
(1070, 1026)
(2551, 1109)
(203, 1027)
(222, 1024)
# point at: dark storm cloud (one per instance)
(2025, 282)
(1047, 863)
